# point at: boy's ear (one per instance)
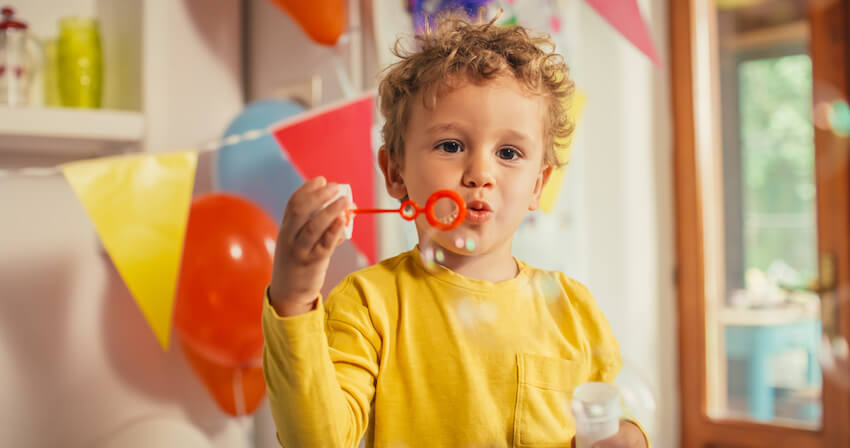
(392, 174)
(539, 185)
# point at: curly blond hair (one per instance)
(477, 52)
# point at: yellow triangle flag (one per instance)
(564, 147)
(140, 206)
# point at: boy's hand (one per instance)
(628, 436)
(308, 236)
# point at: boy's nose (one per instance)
(478, 173)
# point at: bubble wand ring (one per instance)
(409, 210)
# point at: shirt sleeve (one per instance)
(320, 370)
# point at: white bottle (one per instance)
(597, 410)
(345, 190)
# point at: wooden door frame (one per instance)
(830, 50)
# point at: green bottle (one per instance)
(80, 64)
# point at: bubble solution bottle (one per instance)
(597, 410)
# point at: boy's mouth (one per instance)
(478, 212)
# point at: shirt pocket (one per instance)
(543, 417)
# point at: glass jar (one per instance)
(19, 60)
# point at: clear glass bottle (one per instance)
(20, 56)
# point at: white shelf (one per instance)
(68, 132)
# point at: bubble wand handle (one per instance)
(358, 211)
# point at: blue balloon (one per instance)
(257, 169)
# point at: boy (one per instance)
(393, 353)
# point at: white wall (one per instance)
(625, 152)
(78, 365)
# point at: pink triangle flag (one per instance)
(624, 15)
(336, 142)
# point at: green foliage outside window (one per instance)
(777, 156)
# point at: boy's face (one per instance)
(485, 142)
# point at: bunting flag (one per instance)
(335, 142)
(140, 206)
(564, 148)
(624, 16)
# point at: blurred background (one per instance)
(704, 203)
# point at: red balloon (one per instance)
(322, 20)
(237, 390)
(226, 265)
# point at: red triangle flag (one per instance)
(624, 15)
(336, 142)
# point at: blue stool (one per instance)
(758, 344)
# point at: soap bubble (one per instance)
(428, 256)
(542, 284)
(432, 254)
(833, 116)
(430, 250)
(362, 261)
(472, 312)
(839, 118)
(460, 243)
(831, 110)
(549, 286)
(638, 397)
(439, 255)
(476, 317)
(467, 243)
(834, 350)
(831, 113)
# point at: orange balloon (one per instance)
(322, 20)
(226, 265)
(237, 390)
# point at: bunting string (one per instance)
(208, 146)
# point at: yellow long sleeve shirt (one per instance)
(424, 357)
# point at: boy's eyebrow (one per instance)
(518, 135)
(441, 127)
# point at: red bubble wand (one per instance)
(409, 210)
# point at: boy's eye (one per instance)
(508, 153)
(450, 146)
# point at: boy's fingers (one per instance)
(341, 238)
(302, 206)
(305, 201)
(315, 183)
(306, 189)
(313, 230)
(331, 238)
